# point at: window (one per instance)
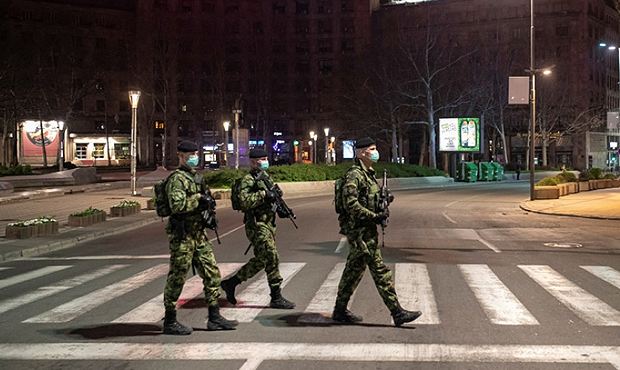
(325, 46)
(301, 7)
(100, 105)
(325, 67)
(80, 150)
(325, 26)
(186, 6)
(121, 151)
(98, 151)
(561, 31)
(207, 6)
(99, 43)
(279, 8)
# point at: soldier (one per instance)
(260, 227)
(189, 244)
(358, 222)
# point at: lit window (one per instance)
(98, 152)
(80, 150)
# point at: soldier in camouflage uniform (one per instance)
(260, 228)
(189, 244)
(359, 223)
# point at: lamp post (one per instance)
(311, 150)
(312, 137)
(332, 150)
(532, 101)
(61, 144)
(614, 48)
(134, 97)
(316, 149)
(226, 127)
(326, 130)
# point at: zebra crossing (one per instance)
(413, 282)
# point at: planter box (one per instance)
(32, 231)
(19, 232)
(150, 204)
(124, 211)
(584, 185)
(615, 183)
(87, 220)
(546, 192)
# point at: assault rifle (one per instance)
(279, 205)
(209, 216)
(383, 205)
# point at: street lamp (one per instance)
(61, 150)
(326, 130)
(226, 127)
(134, 97)
(312, 137)
(614, 48)
(315, 138)
(332, 150)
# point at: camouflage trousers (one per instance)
(365, 251)
(262, 237)
(195, 249)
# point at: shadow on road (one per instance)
(115, 330)
(311, 319)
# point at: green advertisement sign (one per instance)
(459, 134)
(469, 134)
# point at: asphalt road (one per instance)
(499, 288)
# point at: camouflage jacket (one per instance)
(360, 192)
(252, 197)
(183, 194)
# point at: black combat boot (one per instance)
(343, 315)
(229, 286)
(218, 322)
(173, 327)
(277, 301)
(402, 316)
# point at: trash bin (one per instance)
(467, 172)
(498, 173)
(486, 171)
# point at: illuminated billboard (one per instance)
(459, 134)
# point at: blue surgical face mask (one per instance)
(192, 161)
(264, 165)
(374, 155)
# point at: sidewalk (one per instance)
(599, 204)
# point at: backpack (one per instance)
(338, 192)
(162, 206)
(234, 195)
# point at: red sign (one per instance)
(32, 140)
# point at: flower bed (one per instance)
(125, 208)
(87, 217)
(41, 226)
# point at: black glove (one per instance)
(270, 195)
(205, 202)
(380, 217)
(281, 213)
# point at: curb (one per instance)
(39, 194)
(73, 241)
(524, 207)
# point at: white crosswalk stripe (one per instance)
(5, 268)
(415, 292)
(320, 307)
(46, 291)
(497, 301)
(589, 308)
(153, 310)
(30, 275)
(605, 273)
(255, 297)
(414, 285)
(81, 305)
